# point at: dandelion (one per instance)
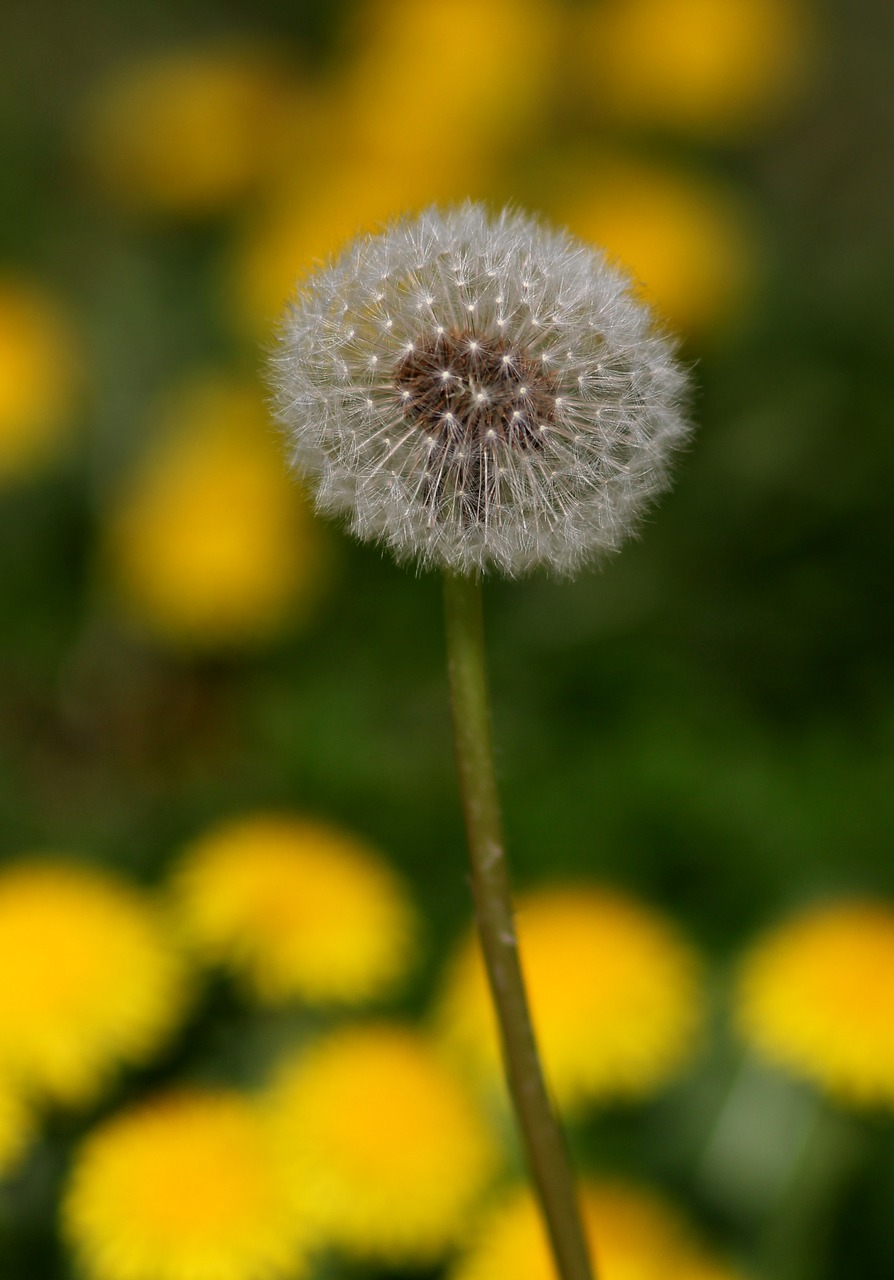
(687, 239)
(709, 67)
(481, 392)
(815, 995)
(396, 56)
(372, 148)
(186, 132)
(183, 1187)
(299, 909)
(387, 1150)
(208, 545)
(16, 1124)
(478, 391)
(89, 980)
(38, 378)
(615, 995)
(635, 1236)
(304, 222)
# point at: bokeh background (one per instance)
(704, 726)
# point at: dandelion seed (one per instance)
(553, 431)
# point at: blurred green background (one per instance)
(708, 722)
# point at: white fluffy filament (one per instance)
(479, 391)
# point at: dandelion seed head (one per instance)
(526, 416)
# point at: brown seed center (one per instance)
(463, 387)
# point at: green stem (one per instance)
(543, 1140)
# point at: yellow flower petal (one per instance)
(185, 1187)
(298, 909)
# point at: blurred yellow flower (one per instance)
(210, 544)
(16, 1124)
(712, 67)
(184, 1187)
(388, 1150)
(633, 1234)
(39, 378)
(488, 65)
(89, 980)
(187, 131)
(686, 239)
(304, 223)
(816, 995)
(299, 909)
(615, 995)
(374, 155)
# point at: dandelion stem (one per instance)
(543, 1139)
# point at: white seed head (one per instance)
(479, 391)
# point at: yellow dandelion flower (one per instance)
(816, 995)
(297, 908)
(16, 1124)
(184, 1187)
(38, 378)
(615, 995)
(88, 977)
(398, 64)
(712, 67)
(306, 223)
(187, 131)
(210, 545)
(387, 1148)
(634, 1235)
(686, 239)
